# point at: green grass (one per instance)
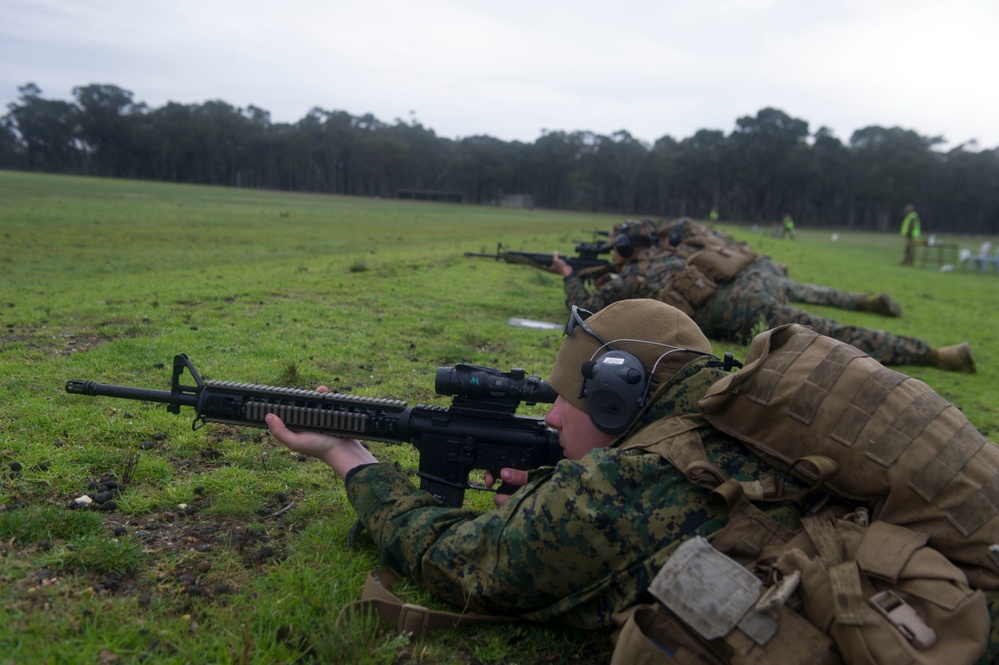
(107, 280)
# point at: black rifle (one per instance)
(587, 262)
(478, 431)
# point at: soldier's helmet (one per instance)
(675, 231)
(632, 234)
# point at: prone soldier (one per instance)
(728, 290)
(687, 236)
(590, 541)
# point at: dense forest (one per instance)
(770, 164)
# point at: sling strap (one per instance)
(409, 618)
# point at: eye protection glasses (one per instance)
(578, 319)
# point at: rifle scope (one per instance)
(475, 382)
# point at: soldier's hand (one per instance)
(558, 266)
(515, 477)
(340, 454)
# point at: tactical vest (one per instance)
(899, 446)
(703, 272)
(899, 579)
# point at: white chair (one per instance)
(991, 260)
(977, 259)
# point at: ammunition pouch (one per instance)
(722, 262)
(709, 614)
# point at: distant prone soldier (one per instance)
(729, 291)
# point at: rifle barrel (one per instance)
(94, 388)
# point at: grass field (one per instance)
(224, 547)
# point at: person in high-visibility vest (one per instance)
(910, 231)
(787, 225)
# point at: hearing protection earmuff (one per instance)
(616, 385)
(676, 235)
(624, 245)
(624, 241)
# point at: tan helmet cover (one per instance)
(628, 325)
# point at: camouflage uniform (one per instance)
(741, 303)
(810, 294)
(686, 236)
(759, 292)
(578, 543)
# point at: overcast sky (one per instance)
(512, 69)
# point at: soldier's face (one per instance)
(576, 432)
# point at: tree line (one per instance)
(769, 165)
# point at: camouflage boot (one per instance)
(955, 358)
(881, 304)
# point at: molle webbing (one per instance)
(899, 445)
